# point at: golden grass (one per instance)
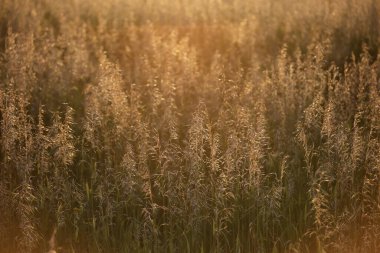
(189, 126)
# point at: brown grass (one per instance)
(189, 126)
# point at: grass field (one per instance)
(228, 126)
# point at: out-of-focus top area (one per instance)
(259, 27)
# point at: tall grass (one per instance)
(190, 126)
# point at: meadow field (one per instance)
(190, 126)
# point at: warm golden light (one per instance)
(189, 126)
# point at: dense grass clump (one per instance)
(189, 126)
